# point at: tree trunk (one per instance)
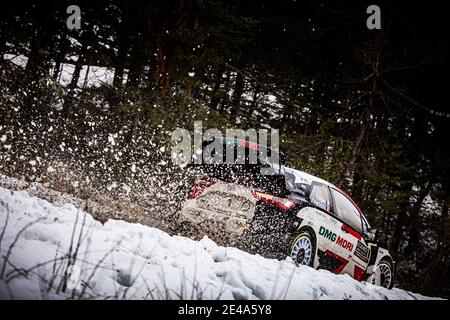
(37, 68)
(121, 56)
(254, 104)
(414, 218)
(225, 98)
(402, 223)
(237, 94)
(78, 67)
(61, 55)
(136, 63)
(215, 98)
(164, 63)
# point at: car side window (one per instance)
(366, 226)
(346, 211)
(320, 196)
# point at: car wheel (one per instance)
(383, 275)
(302, 250)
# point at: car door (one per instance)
(319, 195)
(350, 247)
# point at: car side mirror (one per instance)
(371, 235)
(380, 239)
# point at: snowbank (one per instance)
(90, 76)
(39, 240)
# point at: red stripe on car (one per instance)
(352, 231)
(342, 260)
(358, 273)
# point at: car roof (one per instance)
(254, 145)
(303, 177)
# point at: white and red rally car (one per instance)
(333, 233)
(291, 213)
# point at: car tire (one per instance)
(383, 275)
(303, 248)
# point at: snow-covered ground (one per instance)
(119, 260)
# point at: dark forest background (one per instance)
(365, 109)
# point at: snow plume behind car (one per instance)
(236, 147)
(232, 174)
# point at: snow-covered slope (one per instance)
(39, 240)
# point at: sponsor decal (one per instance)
(330, 235)
(347, 245)
(362, 251)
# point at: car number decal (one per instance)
(225, 203)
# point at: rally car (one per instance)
(333, 233)
(291, 213)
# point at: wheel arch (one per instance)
(313, 234)
(388, 258)
(310, 230)
(383, 254)
(391, 261)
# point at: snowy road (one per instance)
(119, 260)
